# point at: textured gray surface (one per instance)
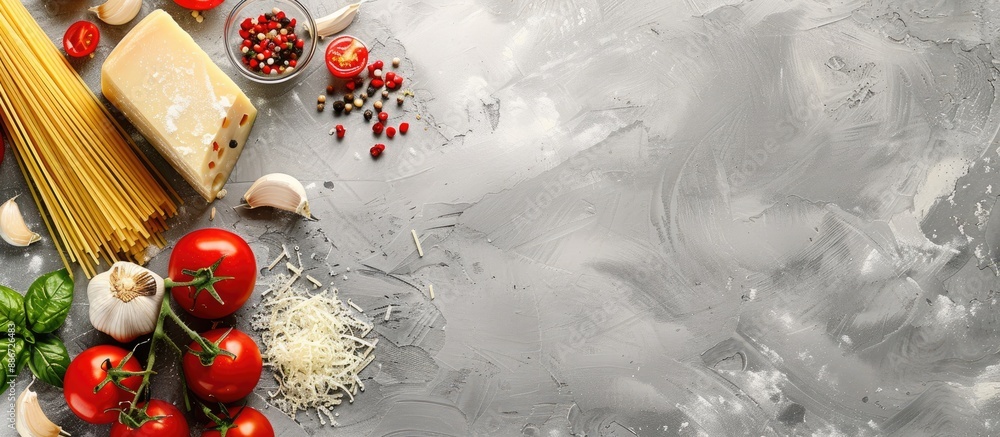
(640, 217)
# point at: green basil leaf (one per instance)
(13, 356)
(47, 301)
(49, 359)
(12, 311)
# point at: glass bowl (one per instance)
(255, 8)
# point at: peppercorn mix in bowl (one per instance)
(270, 41)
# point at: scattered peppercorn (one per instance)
(377, 83)
(320, 107)
(390, 131)
(348, 107)
(377, 128)
(358, 102)
(376, 150)
(382, 116)
(348, 98)
(399, 100)
(379, 64)
(371, 90)
(404, 128)
(377, 105)
(385, 94)
(350, 86)
(233, 144)
(338, 106)
(378, 72)
(329, 89)
(398, 80)
(390, 76)
(321, 99)
(395, 62)
(340, 131)
(368, 114)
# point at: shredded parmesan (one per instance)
(314, 281)
(388, 312)
(432, 291)
(291, 267)
(212, 216)
(416, 239)
(355, 306)
(281, 256)
(315, 346)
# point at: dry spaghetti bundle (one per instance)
(101, 198)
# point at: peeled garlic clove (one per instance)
(115, 12)
(337, 21)
(29, 418)
(13, 230)
(125, 301)
(280, 191)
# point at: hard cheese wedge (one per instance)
(194, 114)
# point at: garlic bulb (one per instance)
(125, 301)
(115, 12)
(280, 191)
(337, 21)
(12, 227)
(30, 420)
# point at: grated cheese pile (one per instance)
(315, 346)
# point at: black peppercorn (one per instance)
(368, 114)
(371, 90)
(338, 106)
(349, 98)
(233, 144)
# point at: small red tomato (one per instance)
(245, 422)
(87, 371)
(81, 39)
(390, 131)
(227, 379)
(346, 56)
(199, 5)
(404, 127)
(201, 249)
(171, 424)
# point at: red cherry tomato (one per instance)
(246, 422)
(202, 248)
(86, 372)
(81, 39)
(346, 56)
(227, 379)
(173, 424)
(198, 5)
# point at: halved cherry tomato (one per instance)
(87, 371)
(226, 379)
(346, 56)
(245, 422)
(198, 5)
(81, 39)
(171, 423)
(202, 248)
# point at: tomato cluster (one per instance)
(220, 366)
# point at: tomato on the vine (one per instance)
(90, 369)
(201, 249)
(81, 39)
(227, 379)
(198, 5)
(168, 422)
(243, 422)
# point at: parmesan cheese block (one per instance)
(169, 88)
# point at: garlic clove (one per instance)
(13, 230)
(29, 418)
(125, 301)
(280, 191)
(337, 21)
(115, 12)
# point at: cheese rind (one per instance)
(183, 103)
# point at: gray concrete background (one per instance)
(640, 217)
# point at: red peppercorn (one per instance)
(267, 69)
(280, 15)
(246, 24)
(382, 116)
(300, 44)
(244, 34)
(350, 86)
(292, 23)
(341, 131)
(371, 69)
(404, 127)
(389, 76)
(391, 85)
(379, 64)
(376, 150)
(390, 131)
(292, 63)
(377, 128)
(377, 83)
(398, 80)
